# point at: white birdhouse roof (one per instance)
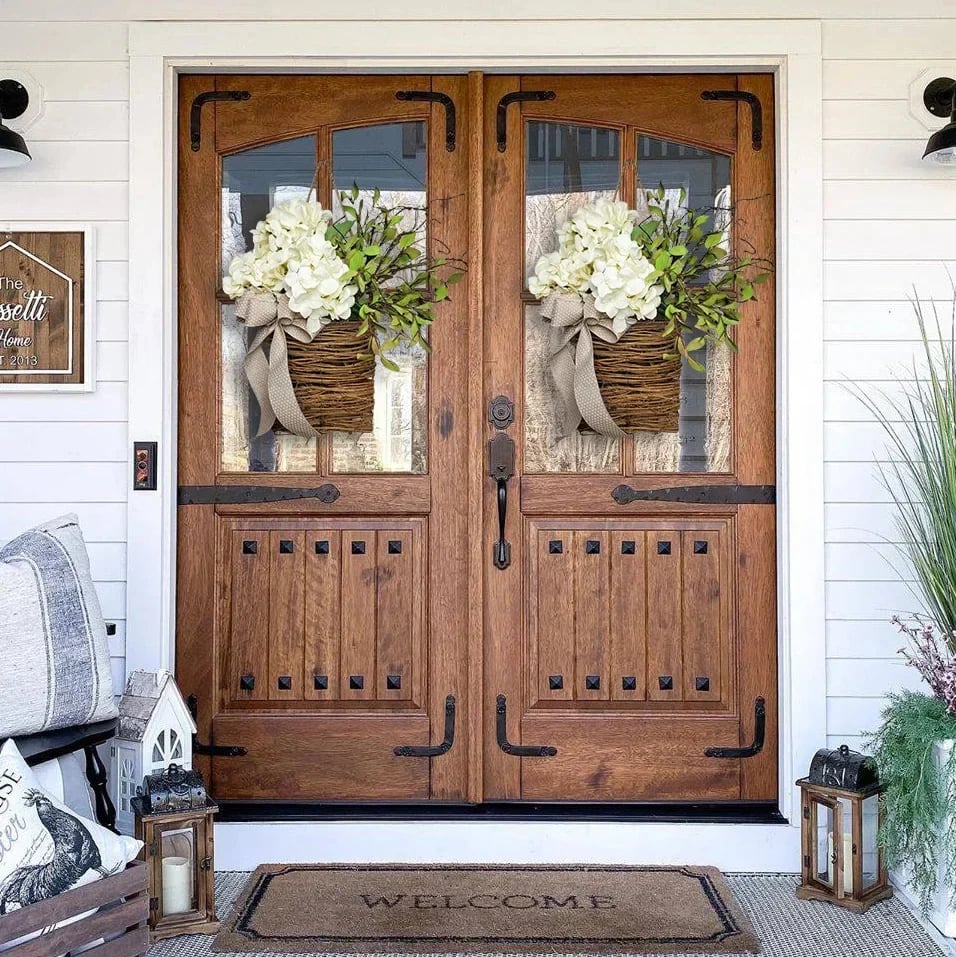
(145, 691)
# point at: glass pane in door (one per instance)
(390, 157)
(253, 181)
(704, 442)
(566, 166)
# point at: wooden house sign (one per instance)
(46, 308)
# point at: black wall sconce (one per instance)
(939, 98)
(14, 101)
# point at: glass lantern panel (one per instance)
(253, 181)
(823, 851)
(179, 870)
(175, 746)
(566, 167)
(703, 442)
(871, 829)
(390, 157)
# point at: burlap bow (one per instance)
(574, 321)
(269, 377)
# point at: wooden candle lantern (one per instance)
(841, 816)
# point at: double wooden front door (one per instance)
(343, 626)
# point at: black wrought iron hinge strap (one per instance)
(253, 494)
(516, 750)
(756, 110)
(433, 750)
(446, 101)
(699, 494)
(211, 750)
(523, 96)
(195, 112)
(760, 733)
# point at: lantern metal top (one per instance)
(843, 769)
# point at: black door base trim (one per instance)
(676, 812)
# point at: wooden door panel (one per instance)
(353, 756)
(627, 758)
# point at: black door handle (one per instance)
(516, 750)
(760, 733)
(502, 548)
(501, 462)
(432, 750)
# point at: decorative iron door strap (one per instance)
(501, 120)
(445, 100)
(253, 494)
(211, 750)
(699, 494)
(756, 110)
(432, 750)
(516, 750)
(760, 732)
(195, 112)
(501, 467)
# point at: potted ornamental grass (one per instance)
(914, 744)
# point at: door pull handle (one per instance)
(501, 461)
(516, 750)
(432, 750)
(760, 733)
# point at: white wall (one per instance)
(889, 224)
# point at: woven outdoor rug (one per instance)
(449, 909)
(787, 927)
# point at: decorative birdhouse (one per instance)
(842, 860)
(155, 730)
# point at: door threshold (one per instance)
(672, 812)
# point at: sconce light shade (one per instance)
(14, 100)
(939, 97)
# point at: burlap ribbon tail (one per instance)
(574, 322)
(269, 376)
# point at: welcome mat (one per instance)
(445, 909)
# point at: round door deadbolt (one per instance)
(501, 412)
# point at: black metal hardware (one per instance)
(702, 683)
(524, 96)
(806, 814)
(843, 768)
(700, 548)
(253, 494)
(394, 547)
(760, 732)
(322, 547)
(592, 547)
(699, 494)
(939, 96)
(286, 546)
(433, 750)
(665, 682)
(356, 682)
(501, 412)
(663, 548)
(555, 546)
(285, 682)
(628, 547)
(14, 99)
(247, 682)
(756, 110)
(555, 682)
(516, 750)
(358, 548)
(393, 682)
(501, 467)
(172, 790)
(211, 750)
(629, 682)
(592, 682)
(320, 682)
(250, 547)
(195, 112)
(806, 860)
(144, 466)
(445, 100)
(110, 629)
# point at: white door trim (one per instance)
(790, 48)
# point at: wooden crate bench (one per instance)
(123, 908)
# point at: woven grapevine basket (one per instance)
(640, 388)
(334, 387)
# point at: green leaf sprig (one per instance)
(704, 283)
(398, 283)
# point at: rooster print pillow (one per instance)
(45, 848)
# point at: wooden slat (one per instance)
(628, 616)
(248, 637)
(90, 928)
(286, 611)
(322, 613)
(553, 595)
(132, 944)
(398, 579)
(591, 622)
(357, 656)
(704, 627)
(664, 614)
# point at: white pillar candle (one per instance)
(177, 886)
(847, 862)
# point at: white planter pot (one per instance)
(942, 911)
